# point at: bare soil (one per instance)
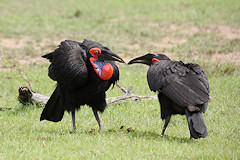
(170, 40)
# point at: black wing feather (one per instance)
(200, 74)
(178, 82)
(68, 65)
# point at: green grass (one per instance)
(129, 28)
(23, 136)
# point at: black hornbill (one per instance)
(84, 72)
(182, 89)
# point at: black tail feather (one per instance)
(196, 124)
(48, 56)
(53, 110)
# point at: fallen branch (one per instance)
(111, 100)
(128, 95)
(26, 95)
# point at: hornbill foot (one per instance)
(162, 134)
(74, 129)
(98, 120)
(101, 128)
(73, 121)
(167, 120)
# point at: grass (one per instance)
(129, 28)
(23, 136)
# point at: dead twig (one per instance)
(25, 78)
(128, 95)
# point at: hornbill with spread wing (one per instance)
(84, 72)
(182, 89)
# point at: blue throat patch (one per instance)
(99, 65)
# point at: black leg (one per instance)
(98, 120)
(73, 121)
(167, 119)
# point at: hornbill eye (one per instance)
(95, 52)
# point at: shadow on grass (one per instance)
(131, 134)
(22, 108)
(158, 137)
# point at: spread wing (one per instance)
(178, 82)
(68, 64)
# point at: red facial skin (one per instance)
(155, 60)
(95, 52)
(107, 69)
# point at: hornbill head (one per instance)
(149, 59)
(99, 56)
(100, 52)
(103, 53)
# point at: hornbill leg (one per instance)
(167, 119)
(98, 120)
(73, 121)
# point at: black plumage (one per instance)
(81, 78)
(182, 89)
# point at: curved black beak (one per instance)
(110, 56)
(146, 59)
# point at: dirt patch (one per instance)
(190, 31)
(230, 57)
(14, 43)
(229, 32)
(26, 41)
(32, 60)
(184, 30)
(168, 42)
(174, 35)
(134, 46)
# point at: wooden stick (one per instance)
(26, 95)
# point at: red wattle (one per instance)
(107, 72)
(107, 69)
(155, 60)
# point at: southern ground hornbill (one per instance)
(182, 89)
(84, 72)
